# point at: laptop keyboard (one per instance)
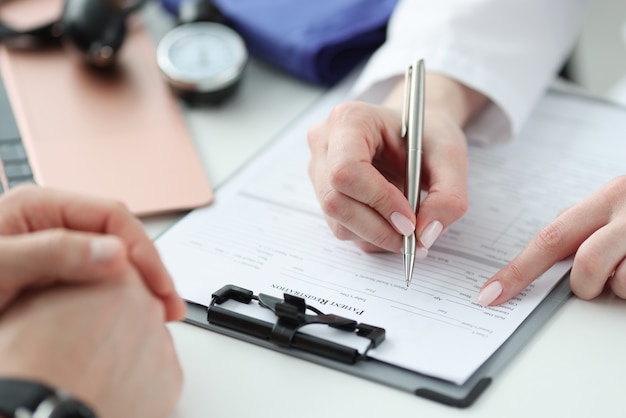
(15, 166)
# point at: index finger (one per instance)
(554, 242)
(367, 140)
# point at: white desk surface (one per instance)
(574, 367)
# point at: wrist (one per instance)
(29, 399)
(447, 94)
(444, 95)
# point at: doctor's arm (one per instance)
(481, 58)
(483, 48)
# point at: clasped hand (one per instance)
(84, 299)
(49, 237)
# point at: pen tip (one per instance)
(409, 263)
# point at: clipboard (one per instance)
(460, 396)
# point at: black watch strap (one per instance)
(24, 398)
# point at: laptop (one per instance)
(120, 135)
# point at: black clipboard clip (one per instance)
(291, 314)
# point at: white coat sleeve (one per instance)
(509, 50)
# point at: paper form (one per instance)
(266, 232)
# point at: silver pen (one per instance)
(413, 131)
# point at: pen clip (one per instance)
(407, 99)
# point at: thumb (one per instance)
(56, 256)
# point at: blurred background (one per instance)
(599, 61)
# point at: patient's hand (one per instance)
(48, 237)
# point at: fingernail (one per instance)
(489, 293)
(104, 249)
(402, 224)
(431, 233)
(421, 253)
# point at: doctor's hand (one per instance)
(49, 237)
(594, 230)
(358, 162)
